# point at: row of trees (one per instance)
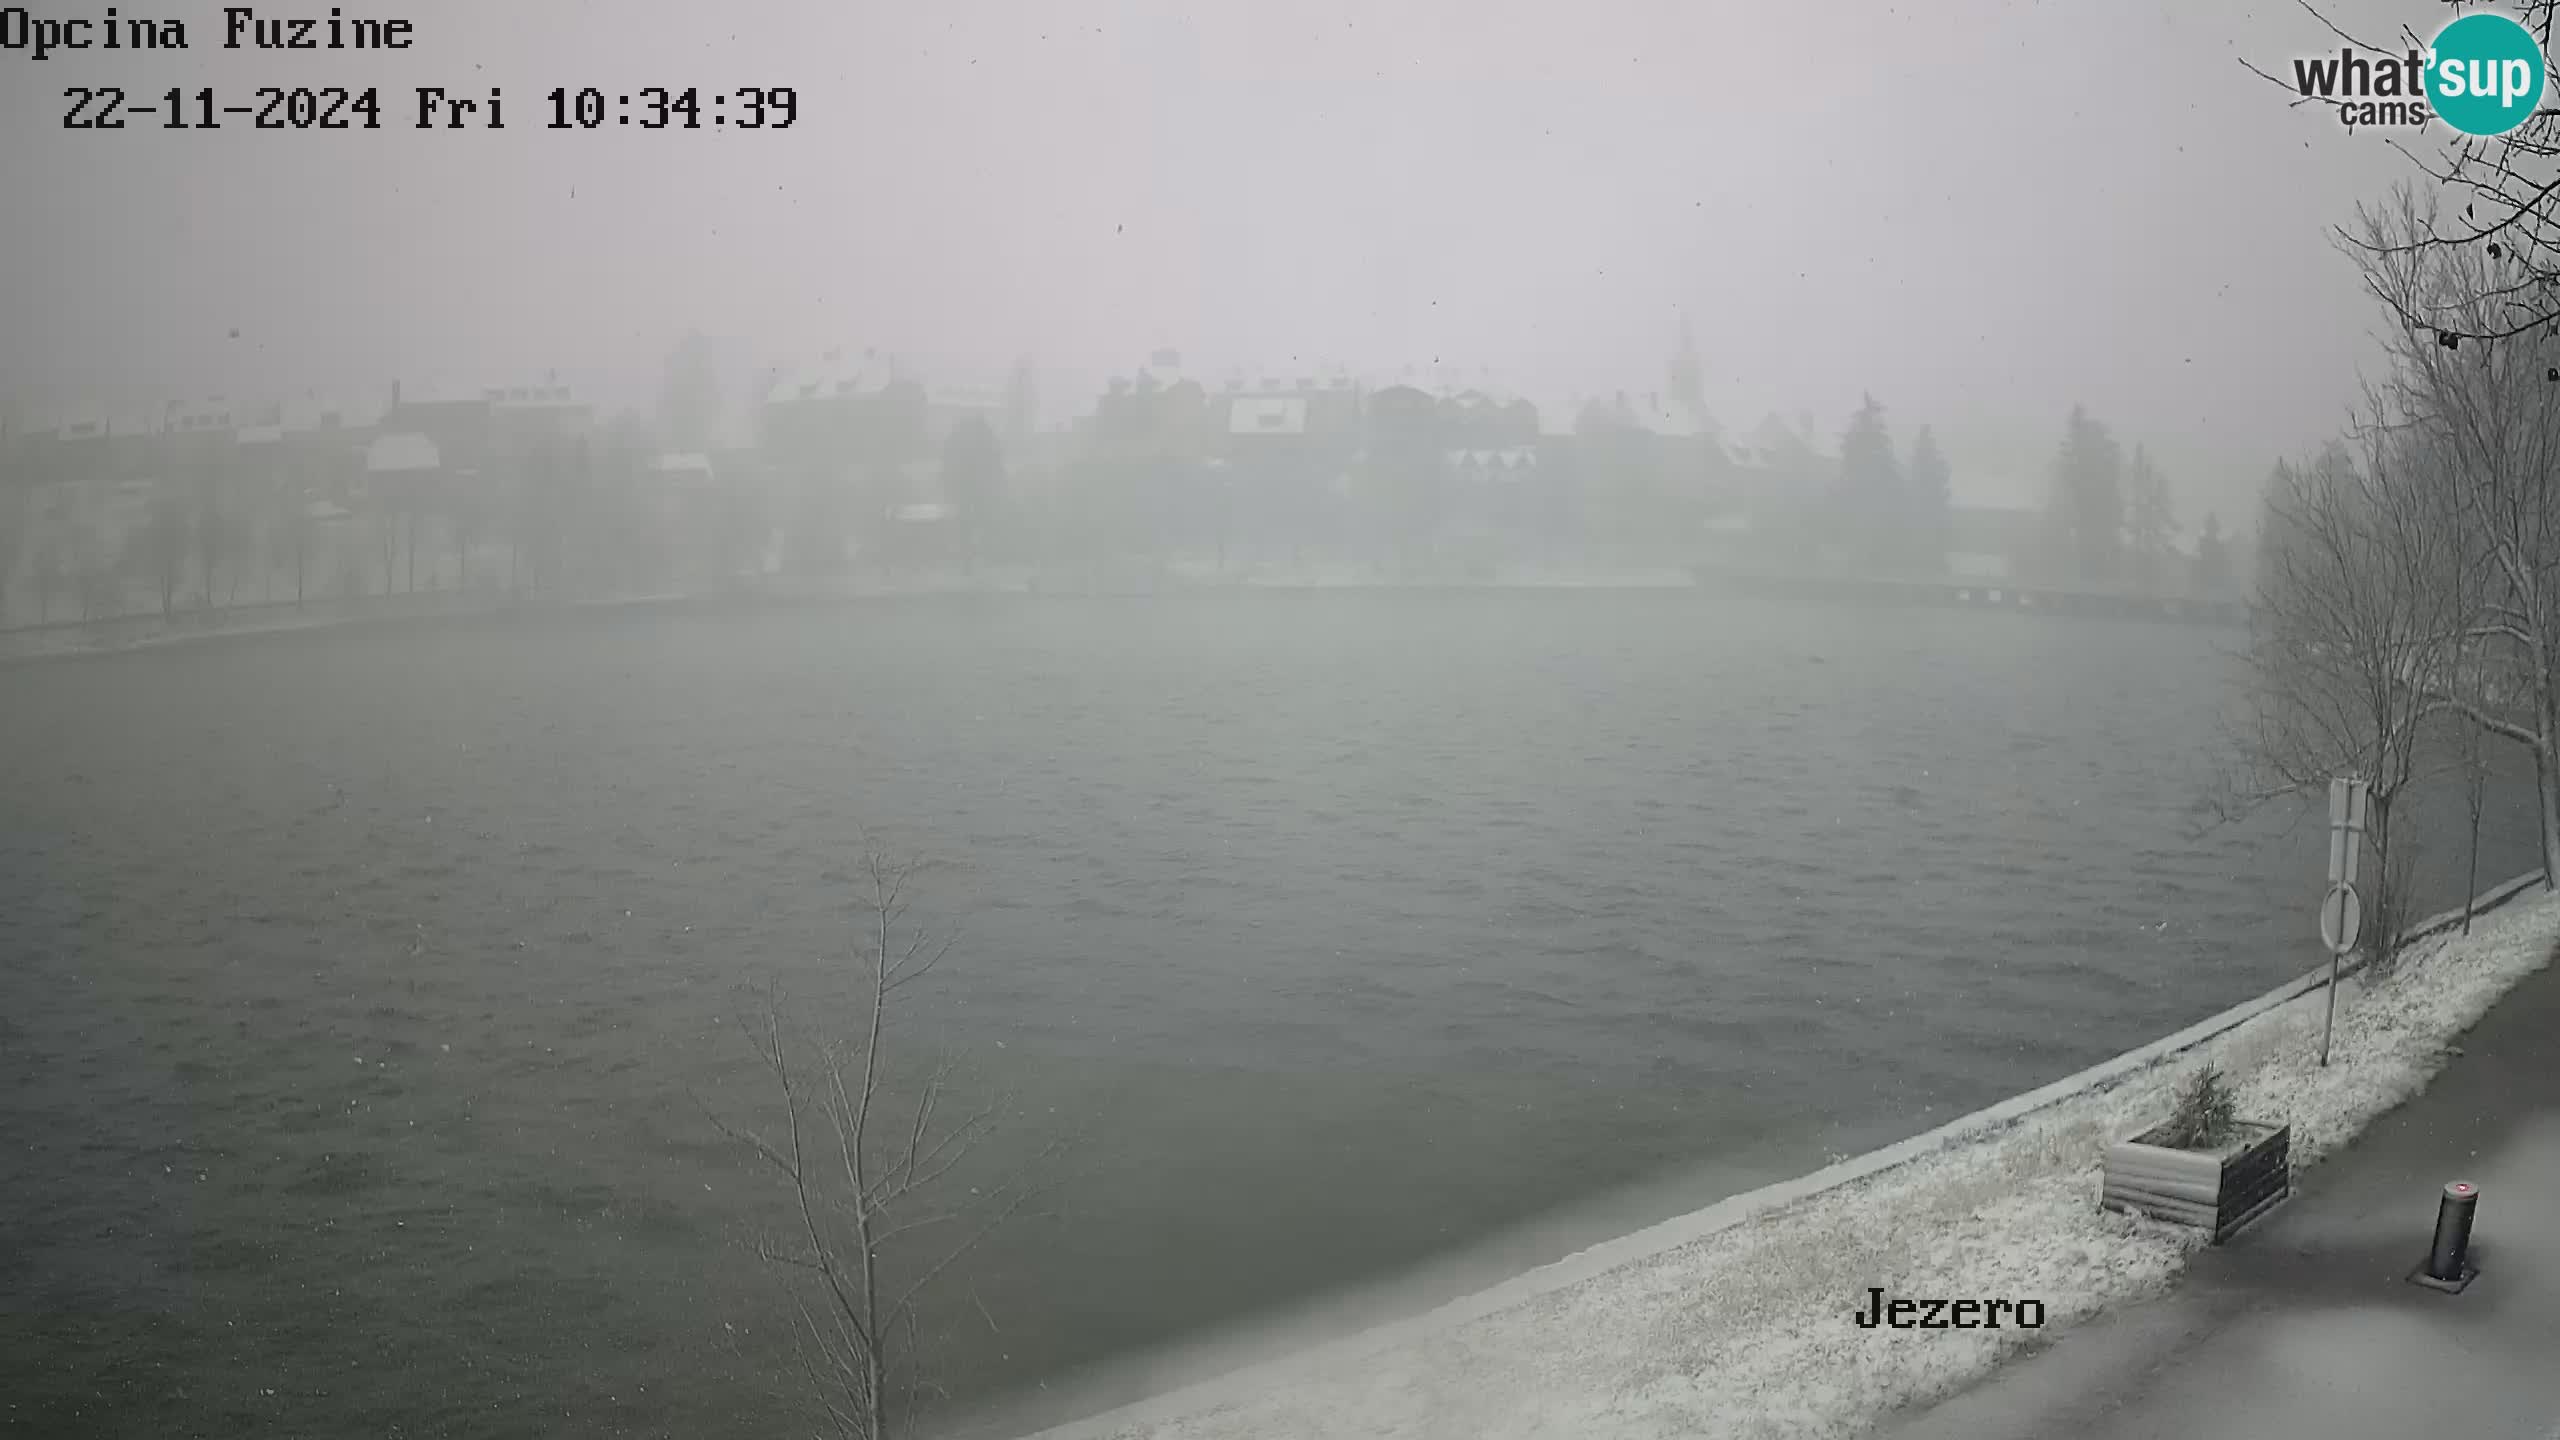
(2408, 598)
(1398, 479)
(1888, 512)
(2109, 519)
(219, 526)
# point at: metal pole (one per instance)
(2329, 1019)
(2453, 1231)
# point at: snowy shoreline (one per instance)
(1735, 1321)
(118, 634)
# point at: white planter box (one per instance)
(2216, 1190)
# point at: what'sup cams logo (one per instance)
(2482, 74)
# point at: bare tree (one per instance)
(15, 525)
(76, 558)
(158, 547)
(2354, 635)
(867, 1168)
(2499, 200)
(289, 526)
(2487, 416)
(208, 527)
(2475, 800)
(51, 562)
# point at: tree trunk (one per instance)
(205, 543)
(2382, 918)
(2546, 784)
(2471, 879)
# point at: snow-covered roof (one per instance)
(401, 453)
(813, 382)
(548, 395)
(920, 514)
(1267, 415)
(198, 416)
(435, 392)
(682, 464)
(1505, 457)
(835, 373)
(354, 408)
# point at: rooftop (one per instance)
(834, 373)
(404, 452)
(1268, 415)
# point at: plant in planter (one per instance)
(2203, 1165)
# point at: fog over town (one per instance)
(1115, 721)
(1930, 205)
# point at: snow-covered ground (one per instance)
(1746, 1332)
(144, 632)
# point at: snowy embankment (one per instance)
(121, 633)
(1736, 1322)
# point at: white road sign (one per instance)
(2347, 799)
(2341, 919)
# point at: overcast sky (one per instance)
(1983, 212)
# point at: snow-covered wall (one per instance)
(1735, 1320)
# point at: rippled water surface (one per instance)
(363, 989)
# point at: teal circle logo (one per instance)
(2484, 74)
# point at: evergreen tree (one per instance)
(1867, 502)
(2213, 558)
(2151, 526)
(2086, 514)
(1932, 492)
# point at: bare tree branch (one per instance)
(864, 1216)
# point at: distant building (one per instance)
(1288, 443)
(1508, 464)
(686, 470)
(1301, 416)
(1160, 415)
(402, 452)
(947, 406)
(1251, 415)
(1992, 542)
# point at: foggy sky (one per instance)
(1983, 212)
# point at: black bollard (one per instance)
(2453, 1231)
(2448, 1264)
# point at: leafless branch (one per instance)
(864, 1212)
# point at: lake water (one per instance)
(363, 989)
